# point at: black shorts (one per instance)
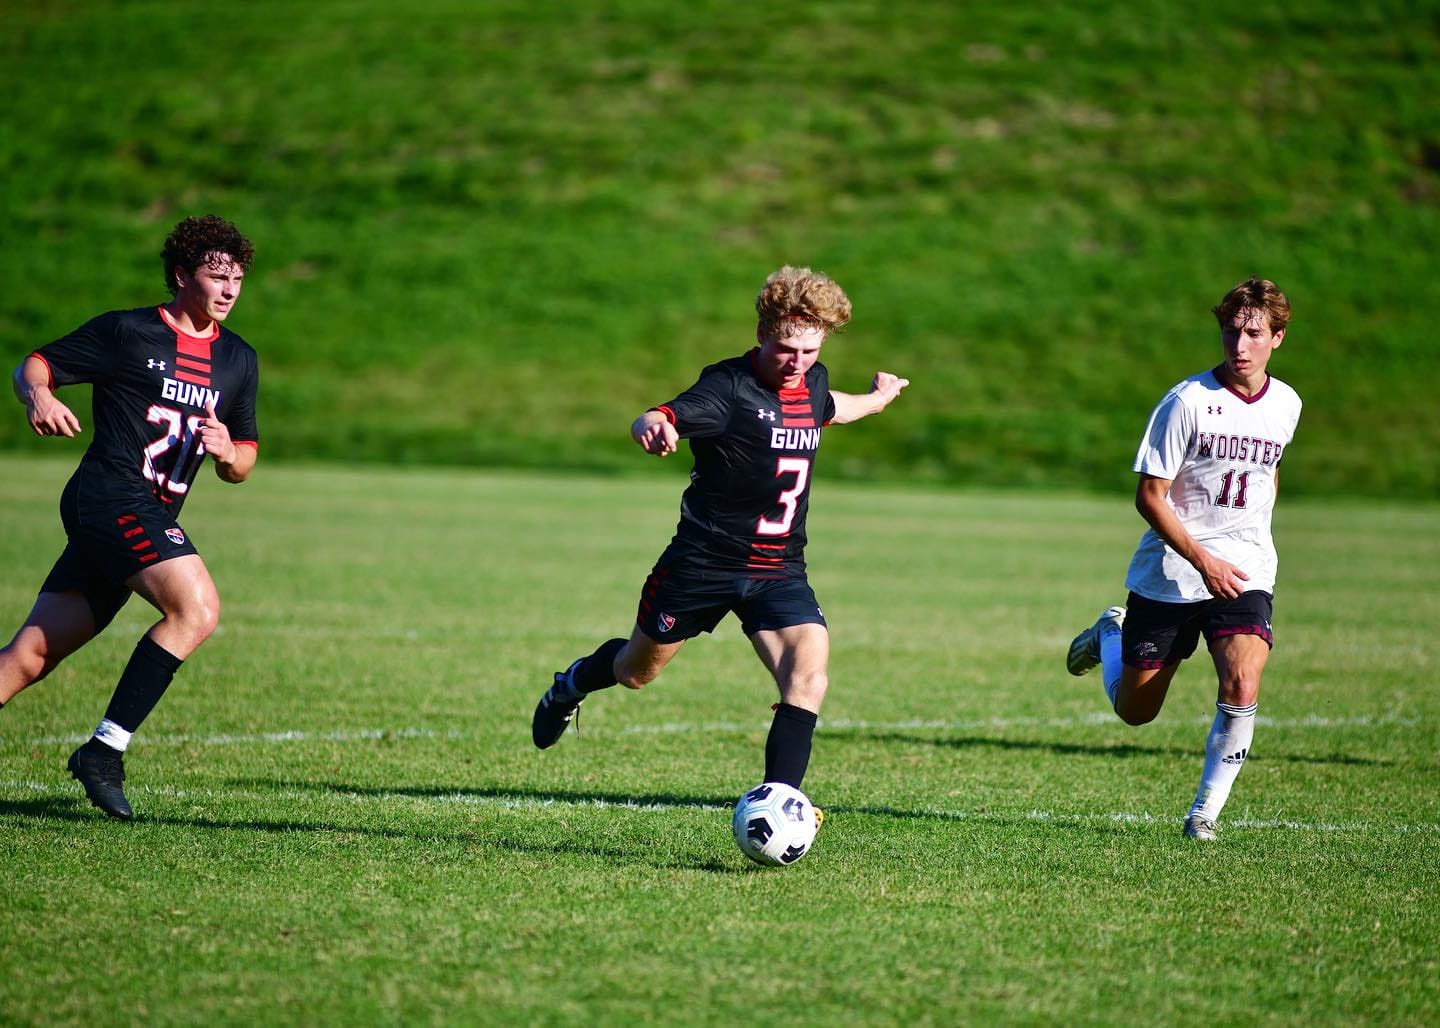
(1157, 634)
(108, 543)
(682, 598)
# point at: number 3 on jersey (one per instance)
(790, 498)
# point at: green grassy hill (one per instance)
(493, 232)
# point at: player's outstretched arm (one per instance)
(852, 407)
(46, 414)
(653, 433)
(1222, 578)
(233, 461)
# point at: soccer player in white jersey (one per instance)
(1208, 465)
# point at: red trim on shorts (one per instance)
(125, 519)
(1222, 633)
(142, 544)
(146, 558)
(137, 530)
(1149, 665)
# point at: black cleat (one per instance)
(556, 709)
(101, 770)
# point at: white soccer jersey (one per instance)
(1221, 451)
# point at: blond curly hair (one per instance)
(797, 298)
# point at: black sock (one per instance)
(142, 683)
(787, 749)
(597, 671)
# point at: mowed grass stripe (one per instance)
(525, 802)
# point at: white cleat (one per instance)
(1085, 649)
(1199, 828)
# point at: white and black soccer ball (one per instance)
(774, 824)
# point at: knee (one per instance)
(28, 663)
(807, 689)
(637, 678)
(1136, 718)
(199, 619)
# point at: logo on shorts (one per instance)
(666, 622)
(175, 536)
(1148, 649)
(764, 415)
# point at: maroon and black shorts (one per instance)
(109, 542)
(1157, 634)
(684, 597)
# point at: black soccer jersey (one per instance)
(754, 450)
(152, 382)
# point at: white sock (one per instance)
(112, 735)
(1225, 752)
(1111, 667)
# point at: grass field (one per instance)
(342, 819)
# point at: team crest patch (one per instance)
(666, 622)
(175, 536)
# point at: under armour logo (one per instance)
(155, 364)
(1215, 410)
(764, 415)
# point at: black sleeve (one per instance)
(86, 354)
(240, 418)
(704, 409)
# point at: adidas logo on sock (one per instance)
(1236, 758)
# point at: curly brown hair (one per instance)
(1255, 294)
(803, 297)
(204, 240)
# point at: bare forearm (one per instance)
(237, 468)
(30, 375)
(852, 406)
(1160, 516)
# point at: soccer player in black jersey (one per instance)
(754, 425)
(172, 386)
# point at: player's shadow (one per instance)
(1070, 749)
(78, 811)
(559, 796)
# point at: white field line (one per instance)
(520, 802)
(1314, 721)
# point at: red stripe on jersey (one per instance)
(186, 362)
(795, 395)
(185, 376)
(798, 422)
(795, 408)
(192, 347)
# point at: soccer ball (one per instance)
(774, 824)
